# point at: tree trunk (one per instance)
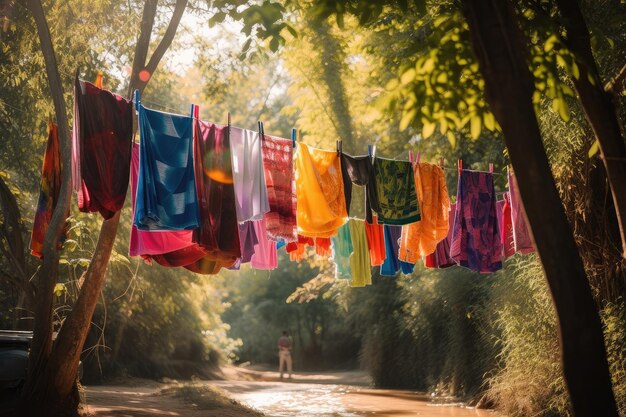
(498, 45)
(599, 109)
(47, 276)
(51, 385)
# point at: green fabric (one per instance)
(342, 249)
(360, 258)
(395, 185)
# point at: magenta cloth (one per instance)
(146, 243)
(476, 240)
(265, 256)
(281, 189)
(101, 148)
(521, 234)
(506, 226)
(441, 257)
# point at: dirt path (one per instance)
(307, 395)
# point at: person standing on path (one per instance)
(284, 354)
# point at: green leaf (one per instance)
(489, 120)
(595, 147)
(475, 126)
(428, 129)
(408, 76)
(559, 105)
(59, 289)
(451, 139)
(392, 84)
(575, 71)
(407, 118)
(70, 245)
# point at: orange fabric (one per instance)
(420, 238)
(323, 247)
(376, 242)
(319, 192)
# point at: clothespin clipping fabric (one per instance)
(491, 168)
(460, 163)
(293, 136)
(99, 79)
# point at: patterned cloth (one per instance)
(360, 171)
(476, 240)
(248, 174)
(342, 249)
(521, 233)
(319, 191)
(421, 238)
(281, 189)
(101, 151)
(48, 193)
(166, 195)
(360, 258)
(395, 188)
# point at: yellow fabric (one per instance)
(421, 238)
(319, 192)
(360, 257)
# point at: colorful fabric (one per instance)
(248, 174)
(218, 233)
(101, 151)
(360, 258)
(50, 186)
(420, 238)
(440, 258)
(506, 226)
(406, 268)
(476, 240)
(342, 249)
(522, 236)
(319, 192)
(166, 195)
(281, 189)
(391, 266)
(168, 248)
(265, 256)
(376, 241)
(323, 247)
(360, 171)
(395, 188)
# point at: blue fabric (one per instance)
(166, 192)
(406, 267)
(391, 266)
(280, 244)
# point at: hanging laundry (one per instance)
(360, 258)
(406, 268)
(376, 241)
(168, 248)
(506, 226)
(342, 249)
(395, 188)
(323, 247)
(218, 233)
(420, 238)
(248, 174)
(265, 256)
(281, 188)
(166, 195)
(440, 258)
(360, 171)
(50, 186)
(522, 236)
(476, 240)
(319, 191)
(101, 150)
(248, 240)
(391, 265)
(297, 249)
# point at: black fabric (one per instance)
(360, 171)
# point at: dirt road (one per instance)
(304, 396)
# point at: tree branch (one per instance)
(143, 43)
(616, 82)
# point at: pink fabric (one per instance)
(265, 256)
(522, 236)
(144, 243)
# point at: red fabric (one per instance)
(376, 242)
(103, 125)
(323, 247)
(48, 193)
(506, 228)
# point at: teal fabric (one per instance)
(342, 249)
(166, 192)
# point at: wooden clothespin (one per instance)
(261, 134)
(193, 111)
(411, 156)
(196, 112)
(339, 147)
(228, 130)
(460, 164)
(369, 150)
(137, 99)
(491, 168)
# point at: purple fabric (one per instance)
(521, 234)
(247, 239)
(476, 240)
